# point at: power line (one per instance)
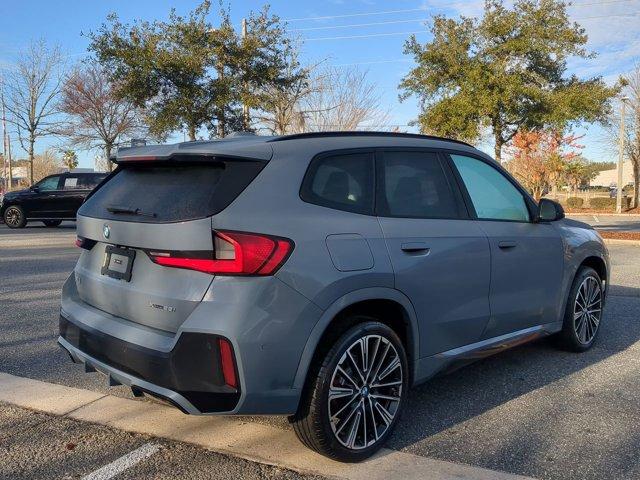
(435, 7)
(350, 37)
(360, 25)
(329, 17)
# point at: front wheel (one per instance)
(14, 217)
(583, 312)
(353, 402)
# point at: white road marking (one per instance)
(596, 219)
(123, 463)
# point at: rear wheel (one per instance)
(14, 217)
(583, 312)
(353, 402)
(51, 223)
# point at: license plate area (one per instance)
(118, 262)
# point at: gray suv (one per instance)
(319, 276)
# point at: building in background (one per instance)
(608, 178)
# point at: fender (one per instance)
(372, 293)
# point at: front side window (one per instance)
(413, 184)
(48, 184)
(341, 181)
(493, 196)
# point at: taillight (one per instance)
(85, 243)
(236, 253)
(227, 363)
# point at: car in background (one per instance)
(53, 199)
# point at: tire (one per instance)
(14, 217)
(337, 439)
(583, 314)
(51, 223)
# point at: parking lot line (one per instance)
(123, 463)
(251, 441)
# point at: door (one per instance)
(41, 201)
(440, 257)
(526, 256)
(71, 196)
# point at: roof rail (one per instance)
(363, 133)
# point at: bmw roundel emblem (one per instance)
(106, 231)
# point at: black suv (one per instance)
(53, 199)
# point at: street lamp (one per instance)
(623, 101)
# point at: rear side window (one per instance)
(414, 184)
(341, 181)
(171, 192)
(71, 183)
(88, 182)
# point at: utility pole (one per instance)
(245, 107)
(6, 143)
(621, 156)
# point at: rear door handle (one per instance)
(415, 248)
(507, 244)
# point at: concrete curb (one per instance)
(251, 441)
(621, 241)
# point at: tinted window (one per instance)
(88, 182)
(494, 197)
(413, 184)
(343, 182)
(48, 184)
(71, 183)
(175, 192)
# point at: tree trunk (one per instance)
(636, 181)
(32, 141)
(192, 132)
(107, 151)
(497, 136)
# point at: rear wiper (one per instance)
(132, 211)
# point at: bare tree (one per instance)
(282, 107)
(32, 87)
(631, 90)
(323, 99)
(341, 99)
(96, 117)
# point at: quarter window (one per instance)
(343, 182)
(413, 184)
(493, 196)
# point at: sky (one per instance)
(366, 34)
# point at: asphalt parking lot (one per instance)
(533, 411)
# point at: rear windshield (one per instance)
(170, 193)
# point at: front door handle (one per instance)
(416, 248)
(507, 244)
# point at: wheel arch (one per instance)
(375, 302)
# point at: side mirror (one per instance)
(34, 188)
(549, 211)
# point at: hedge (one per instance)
(575, 202)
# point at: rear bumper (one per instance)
(189, 376)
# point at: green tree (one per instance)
(504, 72)
(186, 73)
(70, 159)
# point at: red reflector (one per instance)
(228, 363)
(85, 243)
(236, 253)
